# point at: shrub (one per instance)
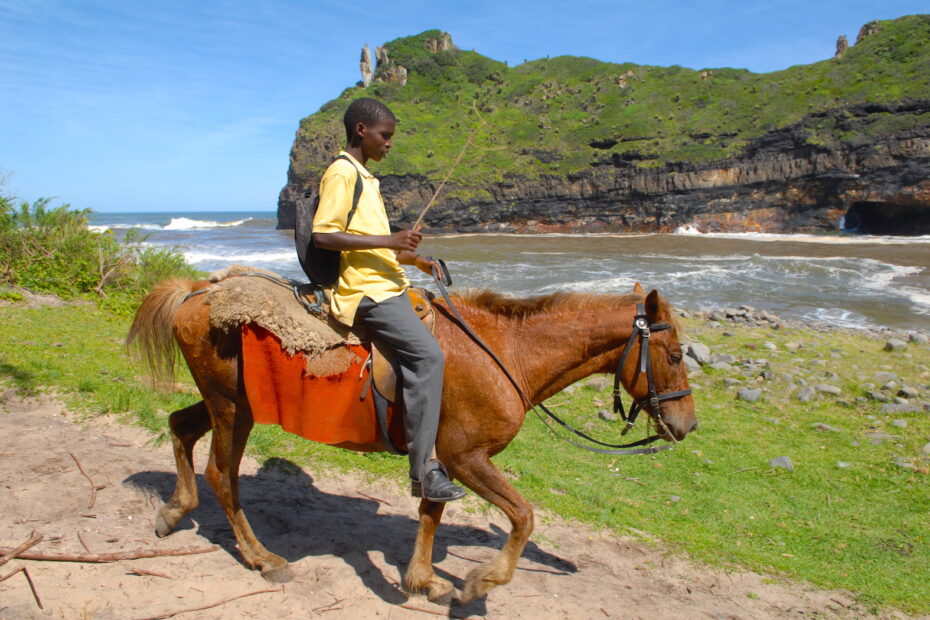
(54, 250)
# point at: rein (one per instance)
(641, 330)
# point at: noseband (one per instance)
(642, 330)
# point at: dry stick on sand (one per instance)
(93, 485)
(103, 558)
(8, 555)
(172, 614)
(32, 586)
(372, 497)
(455, 163)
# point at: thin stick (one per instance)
(172, 614)
(328, 607)
(445, 614)
(452, 169)
(377, 499)
(103, 558)
(9, 555)
(32, 586)
(83, 544)
(93, 485)
(142, 572)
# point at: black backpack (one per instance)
(321, 266)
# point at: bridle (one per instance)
(642, 329)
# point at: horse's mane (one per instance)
(522, 308)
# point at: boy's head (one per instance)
(369, 126)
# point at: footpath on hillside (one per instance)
(92, 487)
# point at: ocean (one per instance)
(847, 280)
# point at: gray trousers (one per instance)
(394, 323)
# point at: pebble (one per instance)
(820, 426)
(899, 423)
(768, 346)
(877, 438)
(826, 388)
(926, 449)
(792, 346)
(607, 415)
(569, 389)
(884, 377)
(749, 395)
(723, 357)
(908, 392)
(898, 408)
(674, 499)
(721, 366)
(782, 462)
(918, 338)
(730, 382)
(776, 421)
(843, 464)
(700, 352)
(691, 364)
(903, 463)
(805, 394)
(877, 396)
(598, 383)
(894, 344)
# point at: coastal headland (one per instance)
(572, 144)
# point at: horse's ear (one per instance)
(653, 303)
(638, 289)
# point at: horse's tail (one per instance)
(151, 336)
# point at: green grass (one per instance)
(865, 528)
(542, 116)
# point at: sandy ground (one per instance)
(348, 542)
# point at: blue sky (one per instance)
(192, 106)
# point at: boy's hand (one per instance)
(406, 240)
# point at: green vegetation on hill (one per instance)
(563, 115)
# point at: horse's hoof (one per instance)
(440, 592)
(162, 528)
(282, 574)
(477, 584)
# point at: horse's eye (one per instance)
(675, 357)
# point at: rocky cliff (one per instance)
(861, 165)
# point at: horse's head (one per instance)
(667, 397)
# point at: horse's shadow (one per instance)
(295, 520)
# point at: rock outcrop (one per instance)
(365, 66)
(782, 182)
(841, 46)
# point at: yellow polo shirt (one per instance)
(362, 273)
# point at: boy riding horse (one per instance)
(372, 287)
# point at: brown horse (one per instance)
(546, 342)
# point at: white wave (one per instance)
(274, 256)
(846, 239)
(98, 228)
(184, 223)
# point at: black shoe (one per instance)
(437, 487)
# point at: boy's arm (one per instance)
(401, 241)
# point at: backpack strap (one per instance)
(358, 191)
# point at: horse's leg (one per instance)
(420, 576)
(232, 423)
(477, 472)
(187, 426)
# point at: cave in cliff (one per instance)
(884, 218)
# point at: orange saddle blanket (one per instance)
(327, 409)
